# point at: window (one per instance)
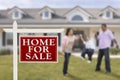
(9, 39)
(16, 14)
(31, 34)
(77, 18)
(46, 14)
(108, 14)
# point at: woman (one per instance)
(68, 42)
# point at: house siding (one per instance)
(61, 18)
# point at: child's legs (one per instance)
(90, 53)
(83, 52)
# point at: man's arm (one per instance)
(115, 41)
(112, 37)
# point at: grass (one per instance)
(6, 67)
(78, 70)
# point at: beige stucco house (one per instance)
(83, 20)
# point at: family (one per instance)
(104, 39)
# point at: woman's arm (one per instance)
(64, 44)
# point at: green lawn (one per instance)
(78, 70)
(6, 67)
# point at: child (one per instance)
(89, 48)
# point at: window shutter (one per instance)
(59, 39)
(18, 38)
(3, 38)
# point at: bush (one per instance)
(59, 52)
(114, 51)
(5, 52)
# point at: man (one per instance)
(105, 37)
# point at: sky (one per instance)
(4, 4)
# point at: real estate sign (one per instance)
(38, 48)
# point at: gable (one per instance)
(78, 10)
(82, 14)
(46, 8)
(16, 9)
(108, 11)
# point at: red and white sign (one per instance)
(38, 49)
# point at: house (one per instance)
(83, 20)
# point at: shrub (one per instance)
(114, 51)
(5, 52)
(60, 52)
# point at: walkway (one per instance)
(95, 55)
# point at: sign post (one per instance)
(15, 62)
(37, 49)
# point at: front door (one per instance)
(78, 45)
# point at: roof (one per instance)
(79, 8)
(46, 8)
(14, 9)
(33, 17)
